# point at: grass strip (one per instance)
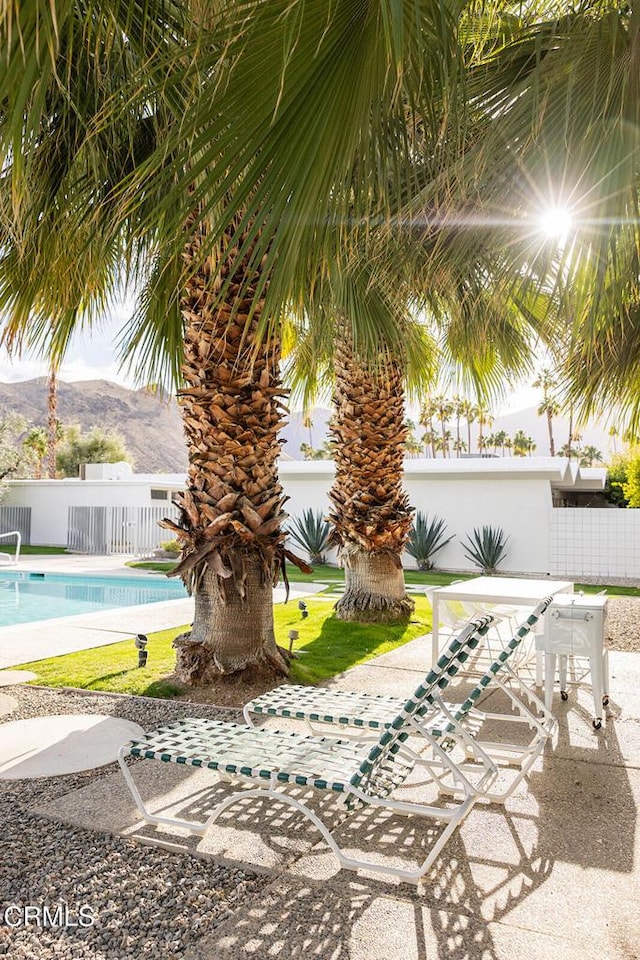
(326, 646)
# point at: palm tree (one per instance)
(459, 446)
(549, 406)
(412, 446)
(370, 511)
(498, 440)
(470, 412)
(35, 443)
(485, 419)
(429, 441)
(209, 315)
(307, 422)
(589, 455)
(459, 406)
(443, 441)
(427, 413)
(52, 421)
(520, 444)
(444, 410)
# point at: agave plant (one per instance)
(311, 532)
(426, 538)
(486, 547)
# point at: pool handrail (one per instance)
(12, 533)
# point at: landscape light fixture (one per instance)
(293, 635)
(141, 642)
(303, 609)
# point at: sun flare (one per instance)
(556, 222)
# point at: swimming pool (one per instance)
(30, 597)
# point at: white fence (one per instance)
(120, 530)
(16, 518)
(595, 543)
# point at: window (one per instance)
(159, 494)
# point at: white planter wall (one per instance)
(595, 543)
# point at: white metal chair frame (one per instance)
(359, 772)
(359, 716)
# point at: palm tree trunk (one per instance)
(231, 511)
(552, 446)
(52, 422)
(370, 512)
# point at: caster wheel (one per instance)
(605, 700)
(564, 695)
(597, 723)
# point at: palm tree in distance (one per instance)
(428, 412)
(549, 406)
(459, 446)
(470, 412)
(588, 455)
(35, 444)
(485, 419)
(52, 421)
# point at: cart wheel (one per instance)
(597, 723)
(564, 695)
(605, 700)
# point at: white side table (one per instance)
(575, 626)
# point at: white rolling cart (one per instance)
(575, 626)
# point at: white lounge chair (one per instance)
(359, 715)
(359, 772)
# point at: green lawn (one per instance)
(332, 575)
(30, 549)
(326, 645)
(321, 574)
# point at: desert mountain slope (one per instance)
(152, 429)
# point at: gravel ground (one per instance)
(623, 624)
(145, 902)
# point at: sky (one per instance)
(92, 355)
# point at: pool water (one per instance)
(30, 597)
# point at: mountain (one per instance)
(152, 429)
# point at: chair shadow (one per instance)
(455, 902)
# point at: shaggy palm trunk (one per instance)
(52, 422)
(370, 511)
(231, 511)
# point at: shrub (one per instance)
(631, 484)
(617, 480)
(425, 539)
(486, 548)
(171, 546)
(311, 532)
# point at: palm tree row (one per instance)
(206, 154)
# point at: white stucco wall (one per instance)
(511, 493)
(50, 500)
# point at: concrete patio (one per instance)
(553, 873)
